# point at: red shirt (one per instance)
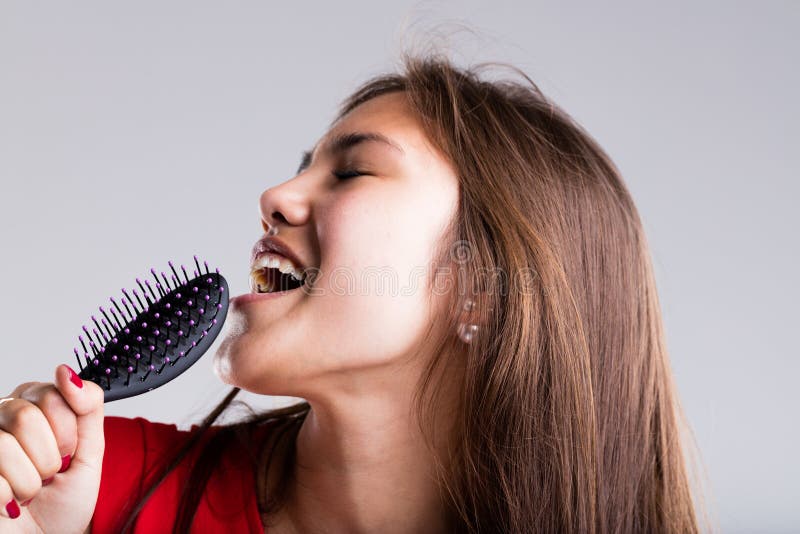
(133, 446)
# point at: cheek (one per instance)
(375, 253)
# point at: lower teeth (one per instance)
(267, 289)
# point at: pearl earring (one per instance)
(467, 331)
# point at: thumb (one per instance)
(86, 399)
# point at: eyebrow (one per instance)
(346, 141)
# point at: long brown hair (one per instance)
(568, 418)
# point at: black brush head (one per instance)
(148, 340)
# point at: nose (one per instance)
(286, 203)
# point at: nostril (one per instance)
(279, 217)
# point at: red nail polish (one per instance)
(74, 378)
(47, 481)
(12, 509)
(65, 461)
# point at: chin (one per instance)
(222, 364)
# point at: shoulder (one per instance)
(124, 428)
(137, 445)
(136, 452)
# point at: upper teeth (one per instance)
(284, 265)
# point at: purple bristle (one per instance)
(144, 291)
(136, 294)
(174, 272)
(150, 289)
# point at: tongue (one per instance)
(281, 281)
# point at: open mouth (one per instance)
(272, 280)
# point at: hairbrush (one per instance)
(145, 341)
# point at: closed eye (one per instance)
(347, 174)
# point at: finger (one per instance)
(27, 424)
(85, 398)
(62, 419)
(8, 504)
(17, 469)
(22, 388)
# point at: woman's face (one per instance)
(371, 239)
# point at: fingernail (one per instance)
(74, 378)
(65, 460)
(47, 481)
(26, 503)
(12, 509)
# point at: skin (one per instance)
(355, 354)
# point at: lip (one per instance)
(276, 246)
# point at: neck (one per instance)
(362, 464)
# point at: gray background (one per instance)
(135, 133)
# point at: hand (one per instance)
(51, 454)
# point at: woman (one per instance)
(512, 378)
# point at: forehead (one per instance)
(388, 115)
(390, 107)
